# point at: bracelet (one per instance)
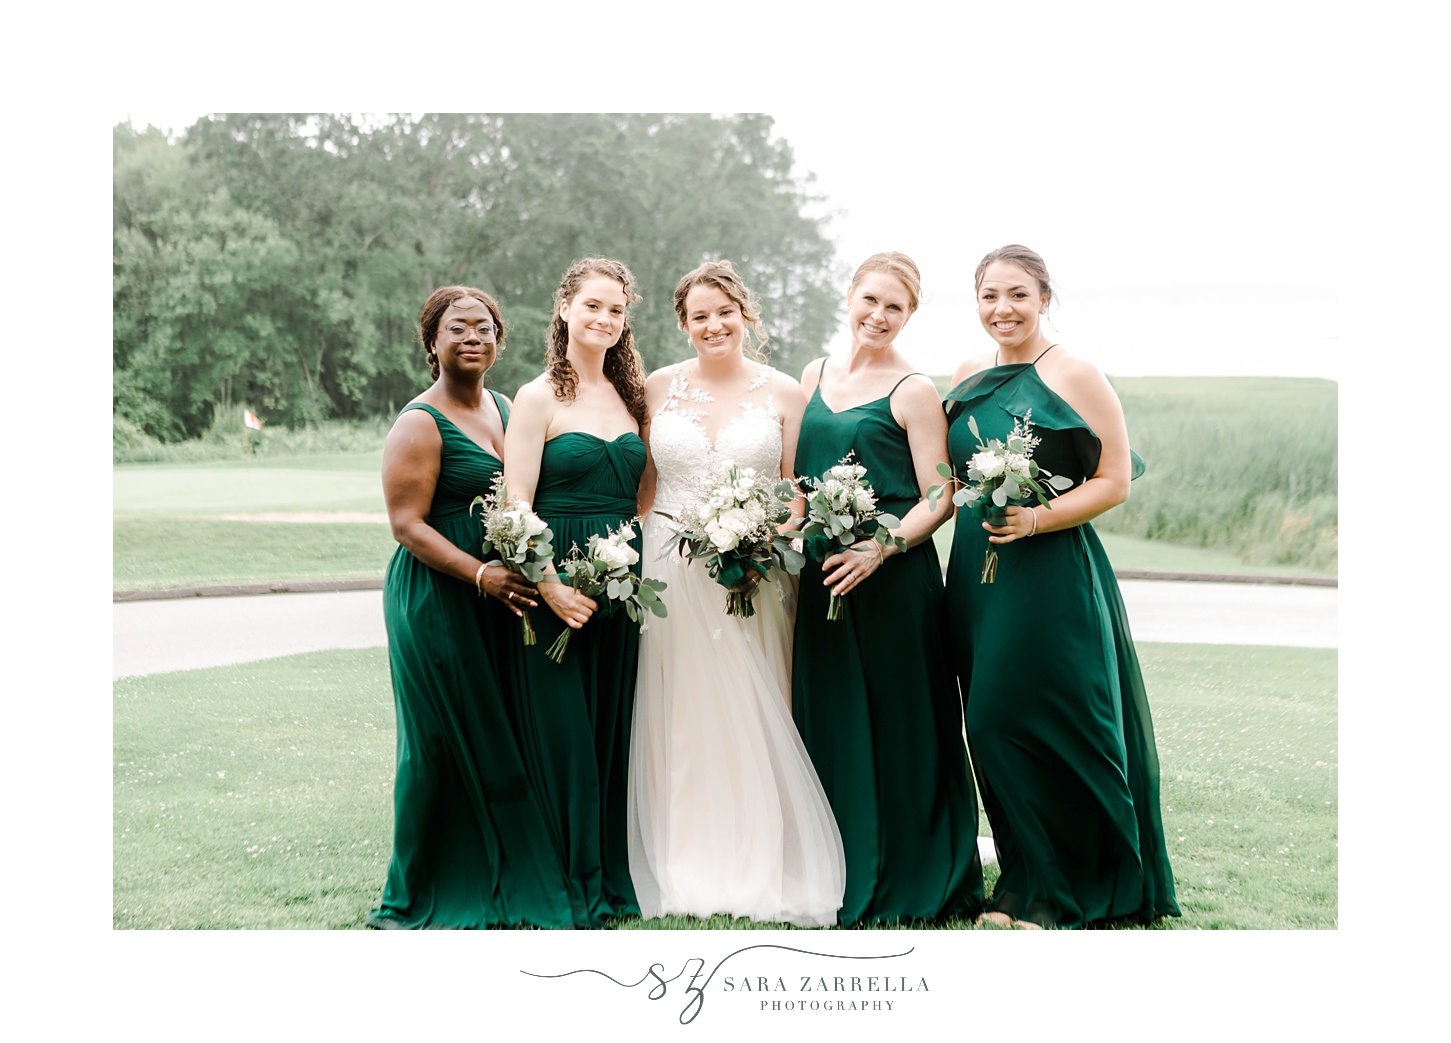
(479, 580)
(1034, 512)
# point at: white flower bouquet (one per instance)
(515, 537)
(841, 510)
(604, 571)
(1000, 473)
(733, 526)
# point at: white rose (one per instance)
(616, 555)
(533, 525)
(737, 520)
(989, 465)
(864, 500)
(721, 538)
(1018, 464)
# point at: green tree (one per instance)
(282, 259)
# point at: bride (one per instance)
(726, 814)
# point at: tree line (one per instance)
(278, 261)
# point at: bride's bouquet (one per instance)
(733, 526)
(517, 538)
(604, 571)
(841, 509)
(1000, 473)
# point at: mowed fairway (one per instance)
(318, 518)
(184, 525)
(260, 795)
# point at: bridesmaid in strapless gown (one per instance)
(574, 451)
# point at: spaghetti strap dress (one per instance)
(575, 715)
(1057, 716)
(876, 699)
(471, 844)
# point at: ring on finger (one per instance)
(511, 595)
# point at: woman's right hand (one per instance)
(567, 603)
(510, 588)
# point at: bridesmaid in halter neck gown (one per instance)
(1057, 717)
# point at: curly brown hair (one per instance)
(624, 368)
(722, 275)
(433, 309)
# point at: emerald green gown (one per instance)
(876, 701)
(1057, 717)
(575, 715)
(471, 843)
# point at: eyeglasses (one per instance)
(485, 330)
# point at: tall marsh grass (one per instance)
(1242, 464)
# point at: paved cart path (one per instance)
(187, 633)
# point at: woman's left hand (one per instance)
(1021, 523)
(846, 568)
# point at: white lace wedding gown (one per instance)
(726, 813)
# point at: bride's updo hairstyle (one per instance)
(899, 266)
(722, 275)
(1025, 259)
(623, 366)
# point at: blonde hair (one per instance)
(899, 266)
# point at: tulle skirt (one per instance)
(726, 813)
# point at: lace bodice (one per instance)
(684, 453)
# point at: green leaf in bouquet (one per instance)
(1013, 486)
(615, 589)
(1000, 496)
(658, 607)
(1060, 482)
(792, 560)
(962, 496)
(972, 426)
(886, 521)
(944, 469)
(633, 611)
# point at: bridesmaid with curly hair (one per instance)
(574, 452)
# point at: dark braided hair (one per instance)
(438, 303)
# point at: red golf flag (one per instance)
(251, 421)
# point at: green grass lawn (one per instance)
(260, 795)
(154, 552)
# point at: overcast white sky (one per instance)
(1194, 246)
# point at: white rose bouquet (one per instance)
(1000, 473)
(734, 527)
(604, 570)
(515, 537)
(841, 509)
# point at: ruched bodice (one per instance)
(583, 474)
